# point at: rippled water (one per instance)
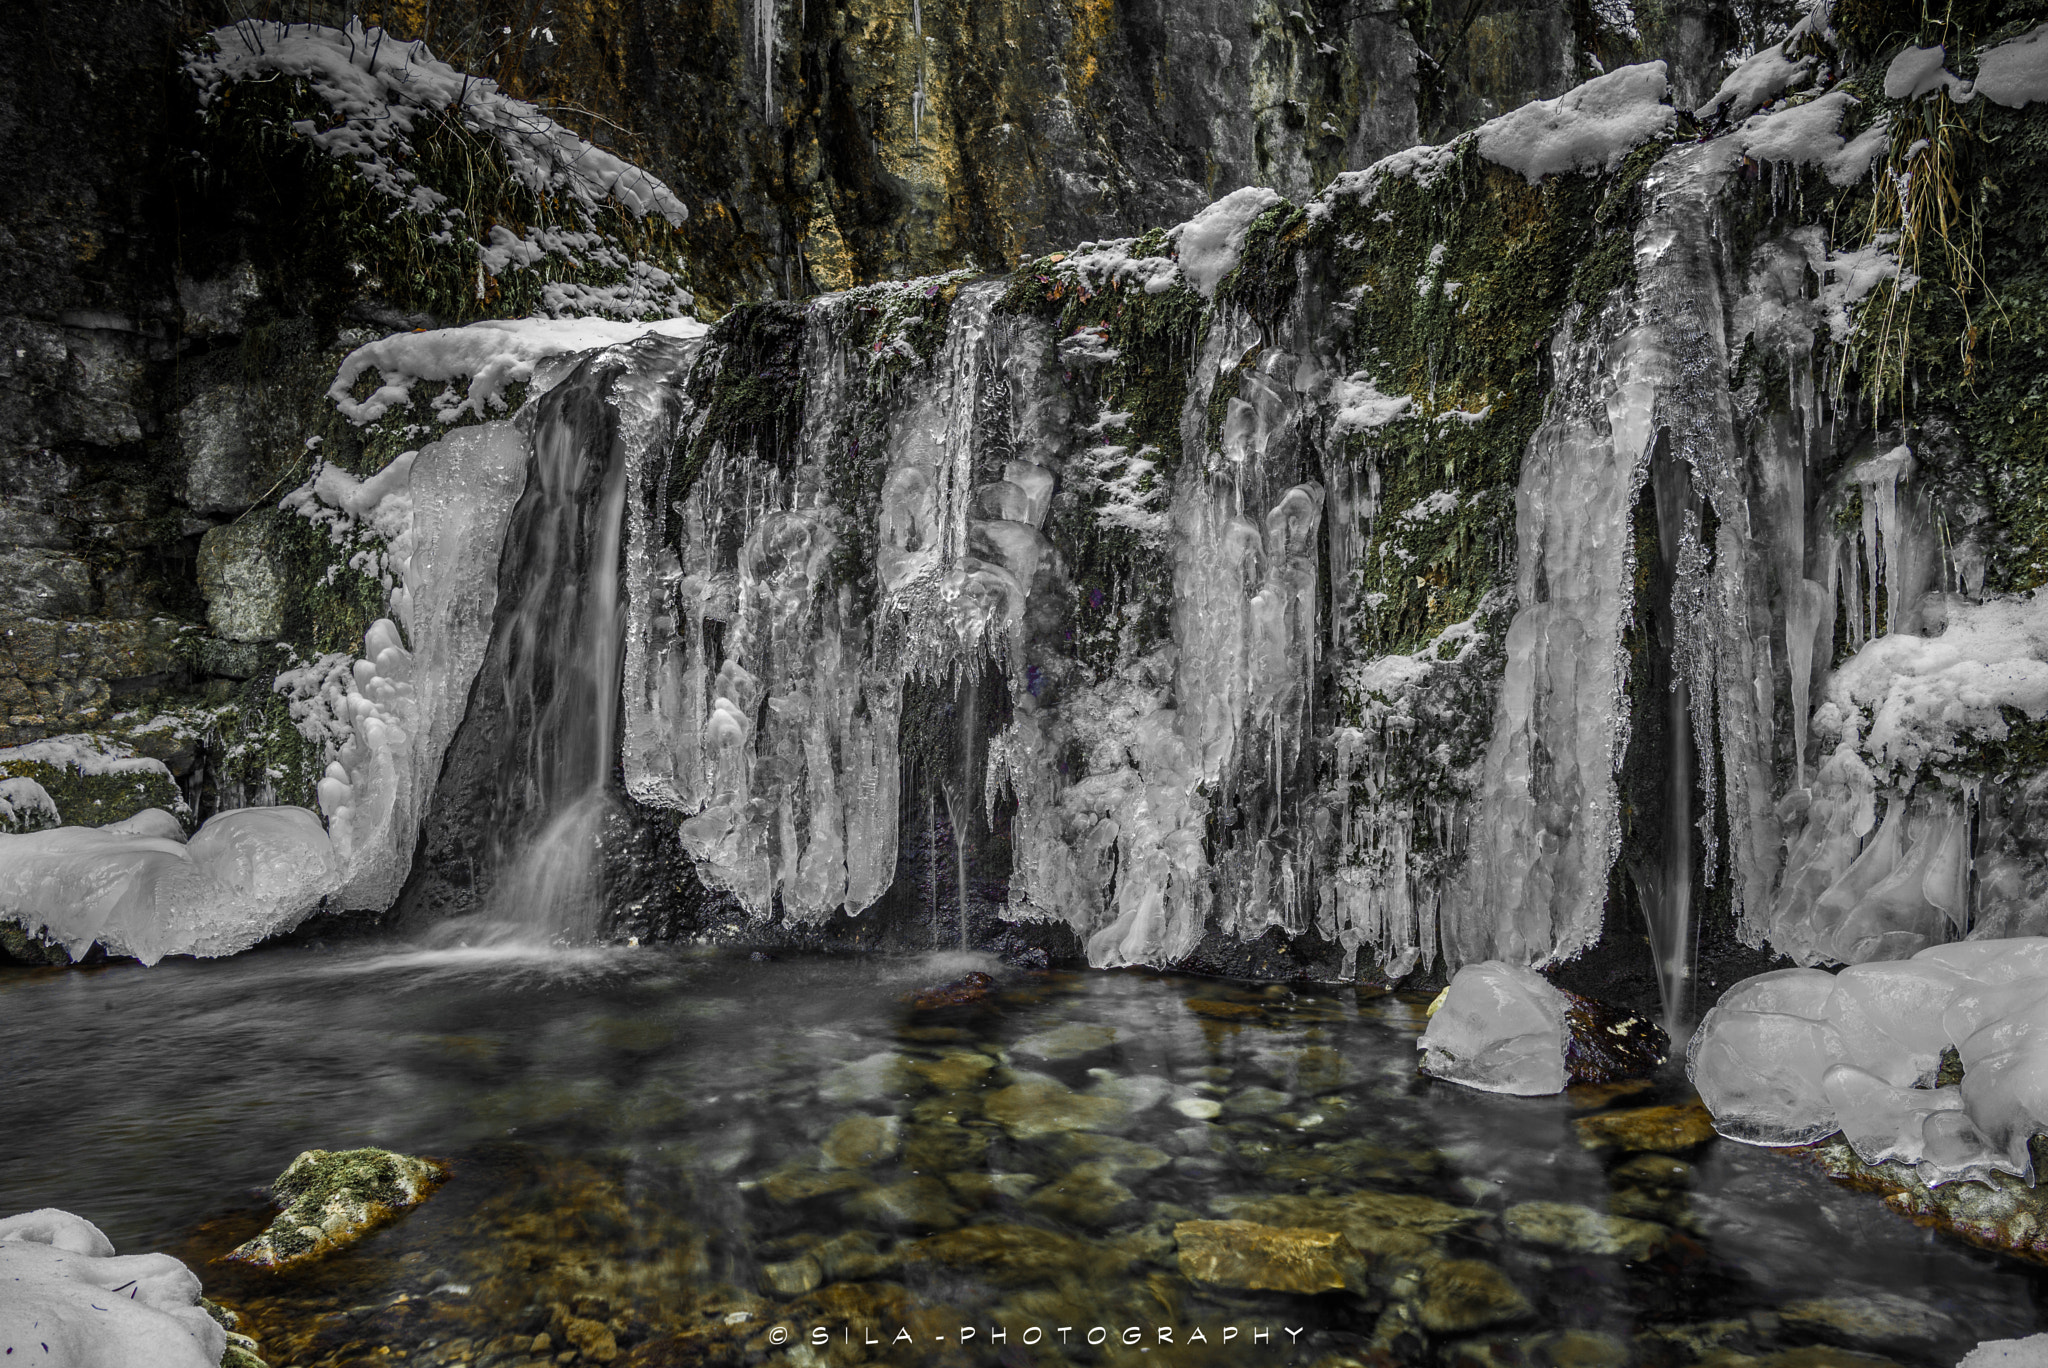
(670, 1146)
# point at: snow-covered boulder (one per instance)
(138, 890)
(1791, 1057)
(71, 1302)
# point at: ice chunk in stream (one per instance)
(1499, 1028)
(59, 1270)
(135, 888)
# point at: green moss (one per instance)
(335, 237)
(748, 384)
(97, 799)
(1264, 280)
(260, 746)
(331, 1198)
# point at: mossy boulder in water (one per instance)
(332, 1198)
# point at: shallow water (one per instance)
(667, 1143)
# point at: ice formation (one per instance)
(431, 525)
(1591, 126)
(1790, 1057)
(72, 1301)
(136, 889)
(1499, 1028)
(25, 805)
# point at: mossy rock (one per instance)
(96, 799)
(333, 1198)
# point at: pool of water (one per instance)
(694, 1158)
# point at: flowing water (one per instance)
(705, 1152)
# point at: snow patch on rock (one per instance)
(72, 1297)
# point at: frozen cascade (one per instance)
(531, 776)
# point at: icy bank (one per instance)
(138, 890)
(1791, 1057)
(72, 1302)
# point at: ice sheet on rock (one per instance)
(83, 1306)
(1761, 1074)
(1500, 1028)
(150, 822)
(245, 875)
(1808, 135)
(486, 357)
(25, 805)
(386, 717)
(1890, 1017)
(1590, 127)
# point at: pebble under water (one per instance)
(667, 1157)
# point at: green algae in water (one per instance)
(667, 1157)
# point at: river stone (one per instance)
(1071, 1041)
(919, 1202)
(853, 1256)
(792, 1279)
(238, 575)
(1256, 1102)
(333, 1198)
(953, 1070)
(870, 1079)
(1113, 1152)
(1217, 1010)
(1087, 1196)
(593, 1339)
(1198, 1108)
(1467, 1294)
(983, 1189)
(861, 1141)
(1259, 1258)
(1998, 1212)
(943, 1147)
(1582, 1230)
(1873, 1320)
(1036, 1105)
(1014, 1255)
(1577, 1349)
(797, 1183)
(1661, 1130)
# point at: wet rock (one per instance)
(1655, 1170)
(969, 990)
(854, 1256)
(1881, 1321)
(983, 1189)
(861, 1142)
(332, 1198)
(592, 1339)
(1113, 1152)
(1135, 1092)
(222, 473)
(1198, 1108)
(1582, 1230)
(1603, 1044)
(1071, 1041)
(1467, 1294)
(792, 1279)
(1087, 1196)
(1036, 1105)
(952, 1071)
(943, 1147)
(1013, 1255)
(797, 1183)
(1661, 1130)
(1577, 1349)
(920, 1203)
(1259, 1258)
(1999, 1212)
(1256, 1102)
(1217, 1010)
(238, 574)
(879, 1075)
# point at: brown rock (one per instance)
(1658, 1130)
(1604, 1044)
(967, 991)
(1466, 1294)
(1261, 1258)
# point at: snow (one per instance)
(1210, 243)
(1807, 135)
(1904, 701)
(1761, 79)
(70, 1296)
(1499, 1028)
(378, 89)
(2016, 72)
(1590, 127)
(1790, 1057)
(244, 876)
(25, 805)
(88, 754)
(1359, 406)
(2031, 1352)
(2012, 73)
(490, 355)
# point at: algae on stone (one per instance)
(333, 1198)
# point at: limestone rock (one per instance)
(1467, 1294)
(333, 1198)
(37, 582)
(1582, 1230)
(222, 466)
(239, 575)
(1261, 1258)
(1661, 1130)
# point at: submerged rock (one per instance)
(1259, 1258)
(1660, 1130)
(333, 1198)
(969, 990)
(1998, 1211)
(1582, 1230)
(60, 1271)
(1467, 1294)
